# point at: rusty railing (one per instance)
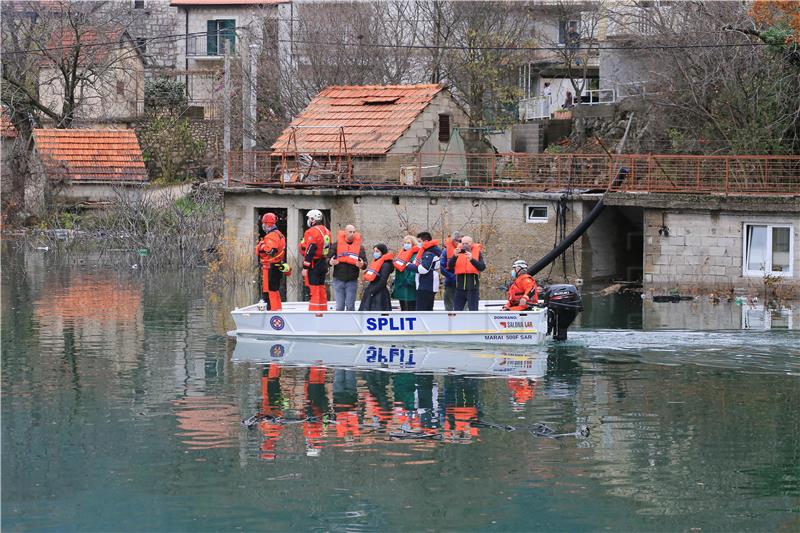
(751, 174)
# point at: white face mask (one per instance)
(406, 246)
(513, 273)
(376, 255)
(310, 222)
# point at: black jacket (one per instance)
(376, 295)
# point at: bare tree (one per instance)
(718, 89)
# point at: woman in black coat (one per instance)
(376, 295)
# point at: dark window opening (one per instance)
(120, 87)
(141, 45)
(220, 37)
(569, 32)
(396, 200)
(138, 4)
(444, 128)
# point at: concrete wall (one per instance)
(704, 248)
(495, 219)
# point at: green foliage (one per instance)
(164, 94)
(555, 149)
(170, 150)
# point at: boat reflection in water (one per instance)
(346, 394)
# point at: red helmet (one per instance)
(270, 219)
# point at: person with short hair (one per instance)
(348, 257)
(426, 267)
(467, 263)
(449, 276)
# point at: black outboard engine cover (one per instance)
(563, 305)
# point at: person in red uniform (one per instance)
(271, 250)
(523, 291)
(315, 247)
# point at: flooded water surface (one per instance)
(125, 406)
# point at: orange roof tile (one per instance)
(374, 117)
(97, 155)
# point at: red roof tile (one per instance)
(96, 155)
(374, 117)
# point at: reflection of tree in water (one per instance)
(563, 371)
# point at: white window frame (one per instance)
(768, 265)
(536, 220)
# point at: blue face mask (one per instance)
(406, 246)
(376, 255)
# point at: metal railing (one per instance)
(534, 108)
(751, 174)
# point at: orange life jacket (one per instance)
(461, 423)
(464, 265)
(319, 235)
(523, 389)
(404, 258)
(524, 285)
(316, 375)
(274, 240)
(374, 268)
(348, 253)
(427, 245)
(347, 424)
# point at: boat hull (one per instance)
(487, 325)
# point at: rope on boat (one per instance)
(258, 417)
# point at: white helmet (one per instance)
(520, 263)
(314, 215)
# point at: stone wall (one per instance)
(495, 219)
(157, 19)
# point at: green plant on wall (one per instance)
(171, 152)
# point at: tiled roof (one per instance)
(96, 155)
(7, 129)
(374, 117)
(227, 2)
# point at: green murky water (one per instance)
(123, 401)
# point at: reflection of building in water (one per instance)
(96, 311)
(206, 422)
(706, 315)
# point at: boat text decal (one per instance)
(391, 324)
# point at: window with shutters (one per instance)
(768, 250)
(220, 37)
(444, 128)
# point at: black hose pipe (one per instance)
(579, 230)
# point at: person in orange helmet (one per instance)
(271, 250)
(523, 291)
(316, 246)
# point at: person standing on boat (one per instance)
(467, 263)
(271, 251)
(316, 245)
(449, 276)
(427, 268)
(376, 296)
(405, 286)
(347, 258)
(523, 291)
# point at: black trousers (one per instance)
(318, 272)
(468, 298)
(408, 305)
(425, 300)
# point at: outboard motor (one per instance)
(563, 304)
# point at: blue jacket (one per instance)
(449, 275)
(427, 273)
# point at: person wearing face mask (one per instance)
(467, 263)
(376, 296)
(523, 291)
(449, 276)
(426, 267)
(315, 246)
(271, 251)
(347, 258)
(405, 288)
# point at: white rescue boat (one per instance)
(489, 324)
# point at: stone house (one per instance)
(83, 165)
(387, 133)
(114, 88)
(213, 28)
